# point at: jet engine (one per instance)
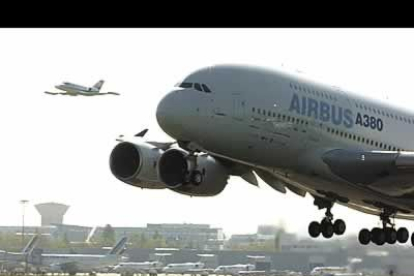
(136, 164)
(195, 175)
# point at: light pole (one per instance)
(23, 202)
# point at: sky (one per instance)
(56, 148)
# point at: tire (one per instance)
(402, 235)
(314, 229)
(390, 235)
(339, 227)
(364, 236)
(412, 239)
(327, 229)
(378, 236)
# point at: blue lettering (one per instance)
(312, 108)
(324, 112)
(349, 122)
(294, 104)
(336, 118)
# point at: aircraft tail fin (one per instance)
(99, 84)
(119, 247)
(31, 244)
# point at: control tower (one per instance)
(51, 213)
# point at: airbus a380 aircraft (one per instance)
(72, 89)
(294, 133)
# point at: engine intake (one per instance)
(136, 164)
(125, 160)
(173, 168)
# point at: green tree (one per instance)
(108, 235)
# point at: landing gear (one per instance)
(327, 227)
(386, 234)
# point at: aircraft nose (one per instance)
(168, 113)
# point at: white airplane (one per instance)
(75, 89)
(185, 268)
(294, 133)
(17, 260)
(233, 269)
(333, 271)
(130, 268)
(85, 263)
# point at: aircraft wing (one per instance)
(55, 93)
(388, 172)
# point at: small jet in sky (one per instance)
(72, 89)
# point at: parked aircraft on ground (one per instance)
(185, 268)
(233, 269)
(11, 261)
(130, 268)
(294, 133)
(72, 89)
(85, 263)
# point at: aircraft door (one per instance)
(238, 106)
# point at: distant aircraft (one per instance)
(72, 89)
(185, 268)
(86, 263)
(131, 268)
(14, 260)
(233, 269)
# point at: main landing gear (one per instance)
(386, 234)
(327, 227)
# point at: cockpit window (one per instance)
(205, 88)
(198, 87)
(186, 85)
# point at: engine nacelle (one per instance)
(197, 175)
(136, 164)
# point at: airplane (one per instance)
(294, 133)
(185, 268)
(17, 260)
(86, 263)
(236, 269)
(72, 89)
(130, 268)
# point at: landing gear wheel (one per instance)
(364, 236)
(339, 227)
(196, 177)
(327, 229)
(390, 235)
(314, 229)
(378, 236)
(402, 235)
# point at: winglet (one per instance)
(142, 133)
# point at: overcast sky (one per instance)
(56, 148)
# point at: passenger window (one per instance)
(253, 109)
(205, 88)
(269, 113)
(197, 86)
(186, 85)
